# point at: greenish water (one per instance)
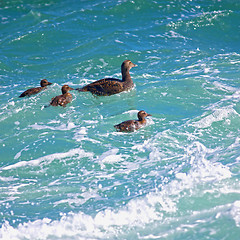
(65, 173)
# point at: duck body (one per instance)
(64, 99)
(110, 86)
(32, 91)
(132, 125)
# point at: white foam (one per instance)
(91, 121)
(224, 87)
(195, 156)
(131, 112)
(235, 212)
(109, 223)
(49, 158)
(202, 169)
(76, 199)
(216, 116)
(181, 176)
(118, 41)
(7, 179)
(82, 131)
(142, 146)
(176, 35)
(111, 156)
(18, 155)
(62, 127)
(103, 62)
(81, 134)
(103, 225)
(234, 97)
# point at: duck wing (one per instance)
(31, 91)
(61, 100)
(104, 87)
(127, 126)
(54, 100)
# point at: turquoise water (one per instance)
(65, 173)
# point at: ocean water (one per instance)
(65, 173)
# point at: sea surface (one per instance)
(65, 173)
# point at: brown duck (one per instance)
(44, 83)
(64, 99)
(110, 86)
(132, 125)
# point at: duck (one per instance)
(64, 99)
(44, 83)
(132, 125)
(110, 86)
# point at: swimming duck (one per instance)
(44, 83)
(110, 86)
(132, 125)
(64, 99)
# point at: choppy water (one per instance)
(66, 174)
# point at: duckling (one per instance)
(64, 99)
(132, 125)
(44, 83)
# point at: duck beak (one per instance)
(135, 65)
(71, 88)
(49, 83)
(149, 114)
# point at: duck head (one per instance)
(66, 88)
(142, 115)
(44, 83)
(127, 65)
